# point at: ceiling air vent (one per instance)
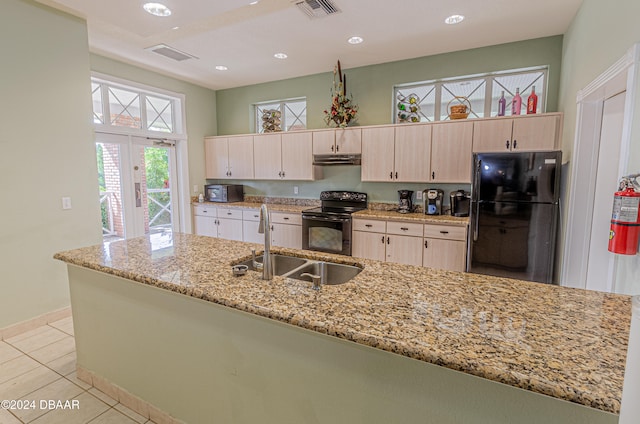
(170, 52)
(317, 8)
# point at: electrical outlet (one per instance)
(295, 189)
(66, 203)
(195, 188)
(418, 195)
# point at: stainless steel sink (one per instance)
(329, 272)
(281, 264)
(294, 267)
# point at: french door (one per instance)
(138, 187)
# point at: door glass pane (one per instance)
(416, 104)
(459, 92)
(156, 192)
(509, 84)
(109, 181)
(96, 96)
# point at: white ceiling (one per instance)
(244, 37)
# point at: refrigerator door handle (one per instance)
(475, 223)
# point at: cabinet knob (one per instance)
(387, 240)
(426, 244)
(286, 218)
(433, 175)
(368, 225)
(391, 175)
(444, 232)
(229, 213)
(382, 239)
(332, 148)
(337, 148)
(515, 144)
(404, 228)
(507, 144)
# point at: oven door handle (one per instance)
(325, 219)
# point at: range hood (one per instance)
(338, 159)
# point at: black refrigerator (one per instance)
(514, 214)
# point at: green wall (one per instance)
(599, 35)
(372, 89)
(47, 154)
(200, 106)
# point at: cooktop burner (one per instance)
(339, 203)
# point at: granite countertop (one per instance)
(277, 207)
(411, 217)
(562, 342)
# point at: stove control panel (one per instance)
(349, 196)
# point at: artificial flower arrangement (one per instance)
(342, 109)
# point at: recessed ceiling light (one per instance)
(253, 2)
(221, 68)
(355, 40)
(280, 56)
(177, 27)
(157, 9)
(454, 19)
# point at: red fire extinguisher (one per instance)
(625, 219)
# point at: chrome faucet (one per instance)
(265, 228)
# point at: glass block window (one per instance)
(281, 115)
(481, 92)
(140, 110)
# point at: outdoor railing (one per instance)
(159, 201)
(106, 207)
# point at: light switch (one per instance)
(66, 203)
(195, 188)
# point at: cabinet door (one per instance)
(285, 235)
(205, 226)
(444, 254)
(535, 133)
(297, 156)
(230, 229)
(324, 142)
(348, 140)
(368, 245)
(377, 154)
(412, 153)
(241, 157)
(404, 250)
(250, 232)
(267, 157)
(492, 136)
(216, 153)
(451, 157)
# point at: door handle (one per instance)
(426, 244)
(515, 144)
(382, 239)
(507, 145)
(404, 228)
(444, 232)
(138, 191)
(396, 175)
(337, 148)
(368, 225)
(391, 175)
(433, 175)
(387, 240)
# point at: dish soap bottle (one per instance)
(532, 101)
(516, 105)
(502, 105)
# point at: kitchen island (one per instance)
(169, 324)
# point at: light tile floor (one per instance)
(40, 365)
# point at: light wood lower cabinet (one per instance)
(432, 245)
(286, 230)
(213, 221)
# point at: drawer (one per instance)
(405, 228)
(286, 218)
(370, 225)
(203, 210)
(449, 232)
(251, 214)
(230, 213)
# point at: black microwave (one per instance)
(224, 193)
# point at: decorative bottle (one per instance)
(516, 105)
(502, 105)
(532, 101)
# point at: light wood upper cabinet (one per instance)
(229, 157)
(267, 153)
(525, 133)
(341, 141)
(412, 153)
(377, 154)
(216, 152)
(451, 153)
(297, 156)
(284, 156)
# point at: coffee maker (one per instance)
(460, 203)
(405, 204)
(433, 201)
